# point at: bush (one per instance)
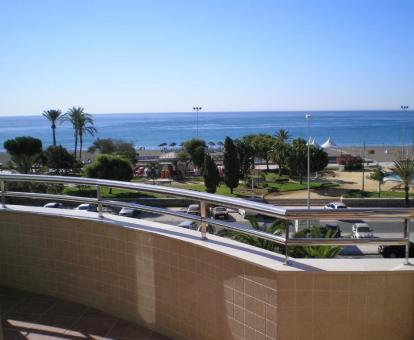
(109, 167)
(350, 162)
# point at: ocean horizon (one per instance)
(346, 128)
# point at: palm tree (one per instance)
(378, 175)
(404, 168)
(82, 122)
(53, 116)
(85, 127)
(282, 135)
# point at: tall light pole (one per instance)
(404, 108)
(196, 109)
(308, 119)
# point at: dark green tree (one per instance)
(280, 154)
(319, 159)
(262, 145)
(297, 159)
(153, 170)
(405, 169)
(378, 175)
(109, 167)
(24, 152)
(116, 147)
(60, 161)
(211, 175)
(53, 116)
(196, 149)
(231, 164)
(244, 155)
(282, 136)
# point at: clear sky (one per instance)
(153, 56)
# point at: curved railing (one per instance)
(205, 199)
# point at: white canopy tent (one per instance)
(313, 142)
(330, 144)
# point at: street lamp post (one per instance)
(404, 151)
(196, 109)
(308, 119)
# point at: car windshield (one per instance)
(220, 209)
(83, 207)
(363, 229)
(341, 206)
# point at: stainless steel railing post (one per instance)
(407, 237)
(99, 197)
(286, 243)
(3, 194)
(203, 214)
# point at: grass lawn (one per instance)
(116, 193)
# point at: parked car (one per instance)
(246, 212)
(362, 230)
(219, 212)
(193, 209)
(394, 251)
(194, 225)
(86, 207)
(128, 212)
(55, 205)
(336, 205)
(335, 229)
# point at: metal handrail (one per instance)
(256, 207)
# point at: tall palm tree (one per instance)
(82, 123)
(282, 135)
(85, 127)
(53, 116)
(404, 168)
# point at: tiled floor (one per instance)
(30, 316)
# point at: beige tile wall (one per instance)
(191, 292)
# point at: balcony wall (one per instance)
(168, 280)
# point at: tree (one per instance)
(109, 167)
(280, 154)
(318, 159)
(53, 116)
(60, 160)
(282, 136)
(211, 175)
(196, 149)
(24, 152)
(378, 175)
(231, 164)
(262, 145)
(350, 162)
(245, 156)
(82, 123)
(297, 159)
(153, 170)
(404, 168)
(115, 146)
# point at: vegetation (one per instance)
(116, 147)
(262, 145)
(245, 156)
(82, 124)
(24, 152)
(109, 167)
(350, 162)
(231, 164)
(378, 175)
(60, 161)
(405, 169)
(53, 116)
(195, 148)
(210, 174)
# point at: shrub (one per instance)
(350, 162)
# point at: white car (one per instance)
(335, 205)
(362, 230)
(193, 209)
(128, 212)
(54, 205)
(86, 207)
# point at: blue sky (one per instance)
(157, 56)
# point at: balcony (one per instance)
(185, 284)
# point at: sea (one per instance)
(148, 130)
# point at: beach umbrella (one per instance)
(173, 144)
(162, 145)
(220, 143)
(329, 144)
(211, 143)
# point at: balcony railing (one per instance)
(204, 199)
